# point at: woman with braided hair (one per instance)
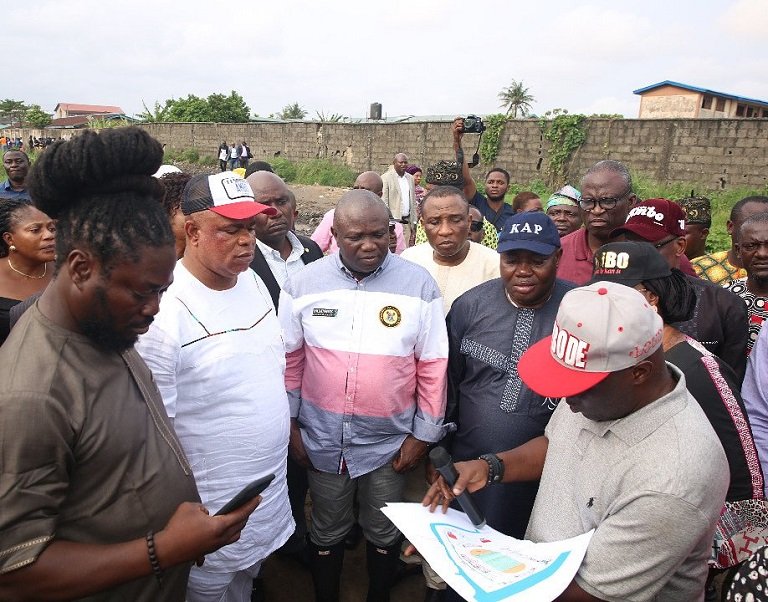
(98, 498)
(27, 237)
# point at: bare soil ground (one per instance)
(312, 203)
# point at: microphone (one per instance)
(444, 465)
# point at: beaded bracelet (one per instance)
(153, 557)
(495, 468)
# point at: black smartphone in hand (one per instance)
(246, 494)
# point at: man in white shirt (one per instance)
(456, 263)
(399, 194)
(218, 359)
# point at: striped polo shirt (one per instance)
(366, 361)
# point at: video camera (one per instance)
(473, 125)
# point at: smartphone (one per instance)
(246, 494)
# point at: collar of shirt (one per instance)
(376, 272)
(297, 249)
(638, 425)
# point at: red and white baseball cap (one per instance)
(653, 220)
(600, 328)
(224, 193)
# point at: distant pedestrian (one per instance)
(223, 156)
(245, 154)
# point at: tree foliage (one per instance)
(516, 99)
(18, 113)
(36, 117)
(292, 111)
(216, 108)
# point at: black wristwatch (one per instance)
(495, 468)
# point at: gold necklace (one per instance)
(45, 269)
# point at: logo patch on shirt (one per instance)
(390, 316)
(324, 312)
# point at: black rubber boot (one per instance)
(382, 566)
(325, 565)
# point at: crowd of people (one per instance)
(167, 339)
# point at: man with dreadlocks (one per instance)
(98, 499)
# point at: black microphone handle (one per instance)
(448, 472)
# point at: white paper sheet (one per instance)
(485, 565)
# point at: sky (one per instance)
(416, 57)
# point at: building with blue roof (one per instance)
(670, 99)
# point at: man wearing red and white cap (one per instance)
(621, 455)
(719, 321)
(218, 359)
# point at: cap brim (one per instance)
(243, 210)
(545, 376)
(527, 245)
(646, 232)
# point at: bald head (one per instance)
(361, 205)
(370, 180)
(269, 189)
(361, 229)
(262, 180)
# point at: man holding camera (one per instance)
(492, 204)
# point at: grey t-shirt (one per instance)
(651, 484)
(86, 452)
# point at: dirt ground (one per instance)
(312, 203)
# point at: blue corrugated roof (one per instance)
(667, 82)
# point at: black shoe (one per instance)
(434, 595)
(325, 564)
(382, 568)
(353, 537)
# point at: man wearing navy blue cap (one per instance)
(489, 328)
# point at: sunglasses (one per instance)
(475, 226)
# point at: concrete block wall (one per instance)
(711, 153)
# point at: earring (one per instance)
(12, 248)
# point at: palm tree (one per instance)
(516, 99)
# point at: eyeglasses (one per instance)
(751, 247)
(475, 226)
(606, 204)
(664, 243)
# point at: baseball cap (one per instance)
(653, 220)
(224, 193)
(600, 328)
(534, 231)
(629, 263)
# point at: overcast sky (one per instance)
(417, 57)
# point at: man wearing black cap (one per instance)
(489, 327)
(621, 455)
(218, 359)
(719, 321)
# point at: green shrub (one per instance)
(325, 173)
(190, 155)
(284, 168)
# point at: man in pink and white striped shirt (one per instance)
(367, 353)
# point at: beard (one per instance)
(98, 327)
